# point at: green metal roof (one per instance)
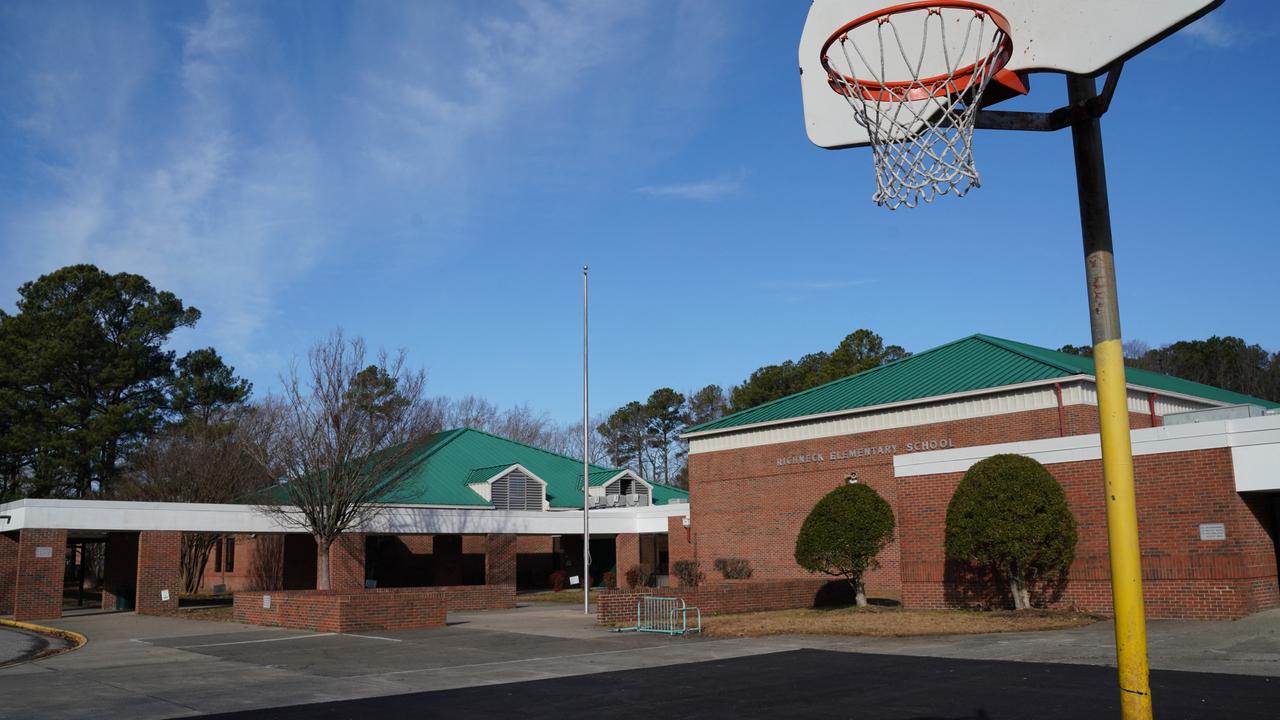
(447, 462)
(976, 362)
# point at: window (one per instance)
(217, 556)
(231, 554)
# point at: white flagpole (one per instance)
(586, 475)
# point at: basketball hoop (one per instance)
(914, 76)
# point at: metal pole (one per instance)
(1113, 409)
(586, 474)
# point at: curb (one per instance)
(76, 639)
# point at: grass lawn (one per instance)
(890, 622)
(573, 595)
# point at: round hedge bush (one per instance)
(1009, 514)
(843, 534)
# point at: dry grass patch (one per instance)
(564, 596)
(220, 613)
(890, 622)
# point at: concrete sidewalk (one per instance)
(156, 667)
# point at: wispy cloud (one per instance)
(709, 189)
(223, 217)
(1213, 31)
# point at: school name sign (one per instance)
(833, 455)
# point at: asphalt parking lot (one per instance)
(819, 684)
(546, 660)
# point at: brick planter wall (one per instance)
(374, 609)
(619, 607)
(332, 611)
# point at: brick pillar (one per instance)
(8, 570)
(346, 563)
(680, 544)
(42, 559)
(499, 559)
(446, 560)
(120, 570)
(159, 570)
(627, 554)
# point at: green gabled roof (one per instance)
(977, 362)
(447, 462)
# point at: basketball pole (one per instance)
(1113, 407)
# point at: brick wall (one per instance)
(626, 555)
(679, 541)
(500, 559)
(374, 609)
(333, 611)
(8, 570)
(1183, 576)
(744, 505)
(38, 580)
(159, 569)
(619, 607)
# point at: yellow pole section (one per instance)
(1122, 531)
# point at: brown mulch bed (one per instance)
(221, 613)
(873, 621)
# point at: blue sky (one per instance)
(432, 176)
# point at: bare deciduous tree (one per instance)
(345, 427)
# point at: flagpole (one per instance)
(586, 475)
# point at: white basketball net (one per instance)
(917, 92)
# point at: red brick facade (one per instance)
(1183, 576)
(619, 608)
(626, 555)
(745, 505)
(159, 570)
(8, 571)
(41, 563)
(346, 563)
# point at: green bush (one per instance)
(843, 534)
(1009, 514)
(733, 568)
(689, 572)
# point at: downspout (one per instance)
(1151, 406)
(1062, 411)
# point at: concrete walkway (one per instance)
(158, 667)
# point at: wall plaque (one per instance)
(1213, 531)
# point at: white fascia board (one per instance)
(1237, 433)
(886, 406)
(946, 398)
(112, 516)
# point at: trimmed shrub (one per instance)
(733, 568)
(611, 579)
(1009, 514)
(843, 534)
(558, 580)
(688, 572)
(633, 577)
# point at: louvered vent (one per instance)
(516, 491)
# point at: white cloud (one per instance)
(710, 189)
(1213, 31)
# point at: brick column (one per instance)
(8, 570)
(446, 560)
(346, 563)
(680, 545)
(38, 583)
(120, 570)
(499, 559)
(627, 555)
(159, 570)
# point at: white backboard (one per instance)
(1065, 36)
